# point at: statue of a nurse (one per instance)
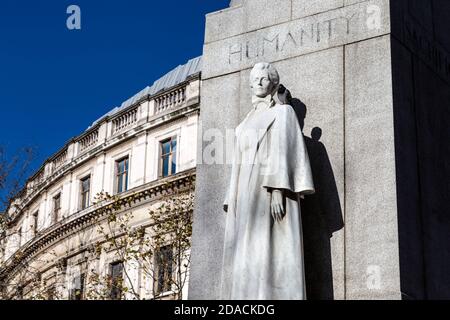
(263, 253)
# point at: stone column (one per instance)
(334, 57)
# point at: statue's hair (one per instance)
(274, 77)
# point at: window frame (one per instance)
(73, 292)
(83, 204)
(35, 222)
(164, 287)
(116, 293)
(119, 175)
(56, 210)
(172, 153)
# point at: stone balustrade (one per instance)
(60, 160)
(125, 120)
(39, 178)
(170, 100)
(88, 141)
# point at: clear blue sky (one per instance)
(54, 82)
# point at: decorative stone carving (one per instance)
(263, 251)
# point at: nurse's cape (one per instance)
(276, 270)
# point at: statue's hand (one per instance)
(276, 205)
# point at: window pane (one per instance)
(119, 184)
(166, 148)
(82, 276)
(85, 200)
(165, 167)
(56, 208)
(168, 157)
(116, 269)
(122, 175)
(165, 264)
(78, 288)
(86, 184)
(35, 222)
(174, 160)
(57, 203)
(85, 188)
(116, 280)
(122, 166)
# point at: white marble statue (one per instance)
(263, 252)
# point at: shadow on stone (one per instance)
(321, 214)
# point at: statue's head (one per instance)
(264, 80)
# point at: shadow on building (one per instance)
(321, 214)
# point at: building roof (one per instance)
(170, 79)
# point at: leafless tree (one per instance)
(160, 249)
(13, 173)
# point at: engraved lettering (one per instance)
(422, 45)
(318, 32)
(249, 48)
(234, 50)
(289, 39)
(330, 27)
(275, 39)
(348, 21)
(313, 33)
(310, 35)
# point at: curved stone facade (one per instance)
(53, 225)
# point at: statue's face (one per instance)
(261, 84)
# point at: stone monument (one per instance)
(370, 86)
(263, 249)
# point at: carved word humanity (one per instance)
(311, 34)
(427, 49)
(306, 35)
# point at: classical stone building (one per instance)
(370, 87)
(143, 151)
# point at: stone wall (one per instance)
(334, 57)
(421, 82)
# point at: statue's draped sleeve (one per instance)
(287, 166)
(282, 153)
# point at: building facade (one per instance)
(139, 155)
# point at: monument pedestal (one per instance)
(370, 82)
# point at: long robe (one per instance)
(263, 258)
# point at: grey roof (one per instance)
(171, 79)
